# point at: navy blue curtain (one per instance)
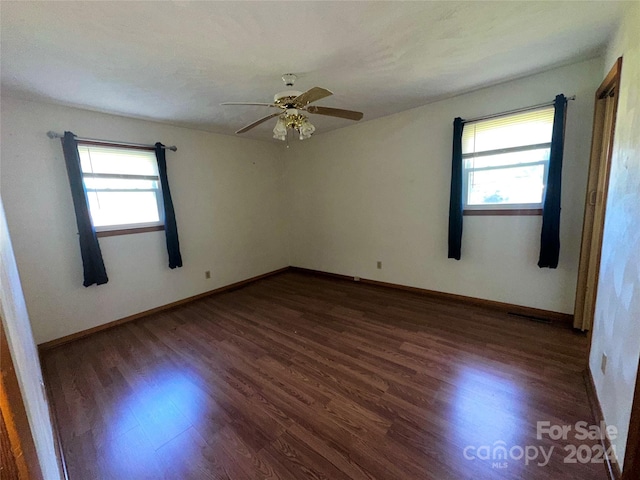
(550, 237)
(455, 201)
(93, 266)
(170, 227)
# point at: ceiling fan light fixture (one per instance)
(280, 130)
(306, 129)
(293, 106)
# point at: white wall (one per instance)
(374, 191)
(227, 194)
(616, 329)
(379, 190)
(24, 354)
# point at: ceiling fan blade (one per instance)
(335, 112)
(251, 103)
(312, 95)
(256, 123)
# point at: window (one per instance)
(123, 188)
(506, 160)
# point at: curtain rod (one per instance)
(517, 110)
(52, 134)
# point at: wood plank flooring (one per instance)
(298, 376)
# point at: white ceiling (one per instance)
(176, 61)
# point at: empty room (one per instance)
(320, 240)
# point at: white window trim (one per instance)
(127, 226)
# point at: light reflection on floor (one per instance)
(163, 405)
(484, 408)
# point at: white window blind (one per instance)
(506, 160)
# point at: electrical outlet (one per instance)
(379, 265)
(356, 279)
(207, 274)
(603, 364)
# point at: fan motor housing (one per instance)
(286, 97)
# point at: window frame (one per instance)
(504, 208)
(127, 228)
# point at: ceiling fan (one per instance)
(292, 106)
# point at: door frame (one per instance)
(597, 186)
(632, 453)
(22, 446)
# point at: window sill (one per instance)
(129, 231)
(503, 212)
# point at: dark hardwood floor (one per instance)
(298, 376)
